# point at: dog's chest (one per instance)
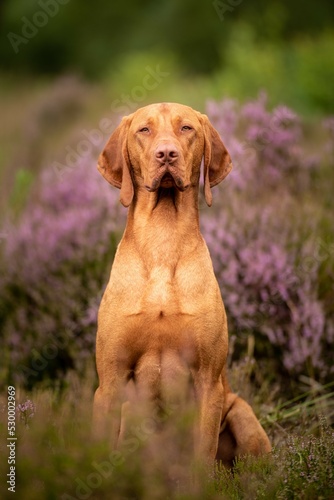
(164, 290)
(164, 305)
(162, 293)
(164, 280)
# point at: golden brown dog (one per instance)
(162, 316)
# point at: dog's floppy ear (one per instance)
(217, 161)
(114, 163)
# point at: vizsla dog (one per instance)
(162, 315)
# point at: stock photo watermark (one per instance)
(96, 137)
(103, 470)
(24, 412)
(42, 357)
(223, 8)
(30, 27)
(11, 438)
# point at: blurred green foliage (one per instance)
(219, 47)
(90, 38)
(298, 73)
(23, 182)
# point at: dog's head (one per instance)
(162, 146)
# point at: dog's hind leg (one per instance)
(241, 432)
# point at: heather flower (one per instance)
(258, 263)
(328, 125)
(266, 267)
(272, 143)
(57, 258)
(307, 465)
(224, 115)
(26, 411)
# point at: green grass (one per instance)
(58, 458)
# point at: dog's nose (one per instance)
(166, 153)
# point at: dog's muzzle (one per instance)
(167, 177)
(166, 157)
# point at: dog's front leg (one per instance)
(107, 412)
(211, 400)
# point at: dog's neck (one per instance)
(164, 224)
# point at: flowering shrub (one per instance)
(269, 282)
(300, 468)
(263, 234)
(308, 464)
(272, 150)
(57, 259)
(264, 242)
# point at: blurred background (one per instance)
(263, 71)
(63, 63)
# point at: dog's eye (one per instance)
(186, 127)
(144, 130)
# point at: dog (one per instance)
(162, 317)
